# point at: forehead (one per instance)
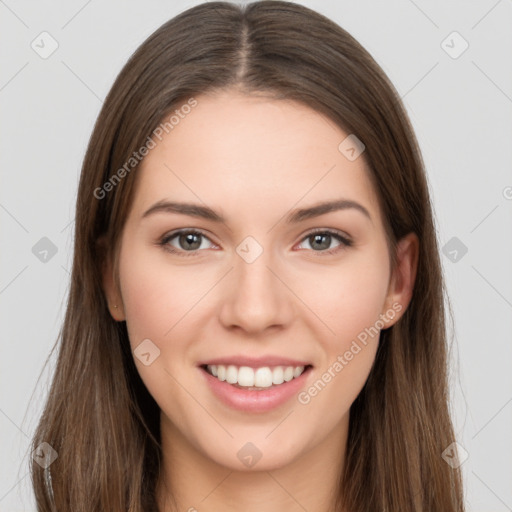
(239, 151)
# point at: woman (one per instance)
(255, 319)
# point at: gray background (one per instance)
(460, 105)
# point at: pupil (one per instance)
(318, 238)
(187, 241)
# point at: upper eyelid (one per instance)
(332, 231)
(172, 234)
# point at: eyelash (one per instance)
(345, 242)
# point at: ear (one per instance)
(403, 277)
(110, 288)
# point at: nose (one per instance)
(255, 296)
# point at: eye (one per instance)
(185, 241)
(320, 241)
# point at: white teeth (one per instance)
(231, 374)
(263, 377)
(297, 371)
(277, 375)
(221, 372)
(245, 376)
(288, 373)
(260, 377)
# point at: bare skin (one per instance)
(254, 161)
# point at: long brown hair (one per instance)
(99, 417)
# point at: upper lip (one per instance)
(254, 362)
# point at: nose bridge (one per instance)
(256, 298)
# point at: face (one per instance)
(254, 275)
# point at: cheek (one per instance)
(349, 300)
(349, 353)
(156, 296)
(350, 297)
(160, 301)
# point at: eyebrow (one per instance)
(295, 216)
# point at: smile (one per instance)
(255, 390)
(255, 378)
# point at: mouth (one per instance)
(255, 379)
(255, 389)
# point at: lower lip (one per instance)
(255, 401)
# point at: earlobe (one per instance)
(404, 276)
(110, 289)
(114, 301)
